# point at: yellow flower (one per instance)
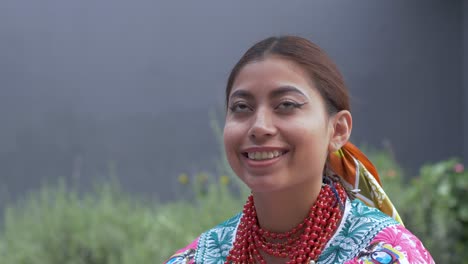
(183, 179)
(202, 177)
(224, 180)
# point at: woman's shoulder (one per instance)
(394, 244)
(360, 224)
(387, 241)
(184, 255)
(363, 231)
(218, 239)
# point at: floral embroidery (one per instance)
(401, 239)
(214, 245)
(380, 253)
(360, 227)
(182, 258)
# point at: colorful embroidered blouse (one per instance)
(365, 235)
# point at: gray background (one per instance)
(87, 84)
(464, 71)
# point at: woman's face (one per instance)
(277, 131)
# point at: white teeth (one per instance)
(263, 155)
(258, 155)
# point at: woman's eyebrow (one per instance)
(278, 92)
(241, 94)
(282, 90)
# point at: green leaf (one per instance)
(463, 212)
(443, 189)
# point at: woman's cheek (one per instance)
(231, 140)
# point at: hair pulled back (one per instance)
(321, 70)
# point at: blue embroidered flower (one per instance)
(182, 258)
(214, 245)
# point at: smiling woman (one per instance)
(286, 134)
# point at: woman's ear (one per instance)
(342, 123)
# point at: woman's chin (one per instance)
(263, 183)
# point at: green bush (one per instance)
(107, 225)
(436, 210)
(58, 226)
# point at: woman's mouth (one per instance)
(263, 155)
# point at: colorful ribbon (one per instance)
(362, 178)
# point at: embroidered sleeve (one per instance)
(185, 255)
(394, 244)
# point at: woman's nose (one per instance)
(262, 126)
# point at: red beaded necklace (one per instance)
(302, 244)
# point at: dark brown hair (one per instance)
(322, 71)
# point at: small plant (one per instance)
(57, 225)
(436, 210)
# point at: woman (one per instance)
(286, 137)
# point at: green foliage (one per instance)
(57, 225)
(436, 210)
(106, 225)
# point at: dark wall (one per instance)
(402, 62)
(465, 78)
(85, 84)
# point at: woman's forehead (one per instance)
(272, 76)
(268, 66)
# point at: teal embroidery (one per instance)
(214, 245)
(182, 258)
(361, 225)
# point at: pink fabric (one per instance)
(396, 239)
(192, 245)
(183, 252)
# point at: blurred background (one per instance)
(136, 88)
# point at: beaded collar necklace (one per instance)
(302, 244)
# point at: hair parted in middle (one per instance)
(322, 72)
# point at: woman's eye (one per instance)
(288, 105)
(240, 108)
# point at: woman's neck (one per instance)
(281, 211)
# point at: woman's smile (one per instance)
(263, 157)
